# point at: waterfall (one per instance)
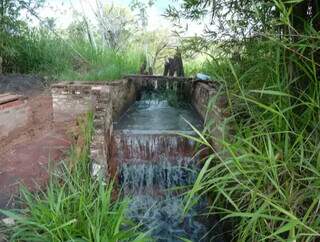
(157, 201)
(155, 165)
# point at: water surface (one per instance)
(157, 186)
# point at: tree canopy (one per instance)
(238, 19)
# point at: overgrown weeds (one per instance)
(101, 63)
(74, 207)
(40, 51)
(265, 179)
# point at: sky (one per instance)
(62, 11)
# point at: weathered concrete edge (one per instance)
(158, 77)
(213, 113)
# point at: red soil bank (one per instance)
(29, 143)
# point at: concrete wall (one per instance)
(111, 102)
(71, 100)
(183, 84)
(211, 106)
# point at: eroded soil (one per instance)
(27, 149)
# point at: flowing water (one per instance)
(154, 167)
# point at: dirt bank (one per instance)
(29, 139)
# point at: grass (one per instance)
(101, 64)
(74, 207)
(265, 178)
(41, 51)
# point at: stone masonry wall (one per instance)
(106, 100)
(212, 107)
(143, 81)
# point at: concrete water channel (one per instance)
(151, 161)
(136, 141)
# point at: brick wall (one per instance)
(106, 100)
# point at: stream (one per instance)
(156, 165)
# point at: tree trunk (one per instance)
(305, 14)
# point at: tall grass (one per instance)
(265, 179)
(34, 51)
(39, 51)
(74, 207)
(101, 64)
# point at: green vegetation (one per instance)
(112, 44)
(40, 51)
(76, 53)
(100, 64)
(264, 181)
(74, 207)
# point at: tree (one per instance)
(227, 19)
(115, 23)
(241, 19)
(160, 45)
(10, 11)
(12, 27)
(232, 22)
(142, 6)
